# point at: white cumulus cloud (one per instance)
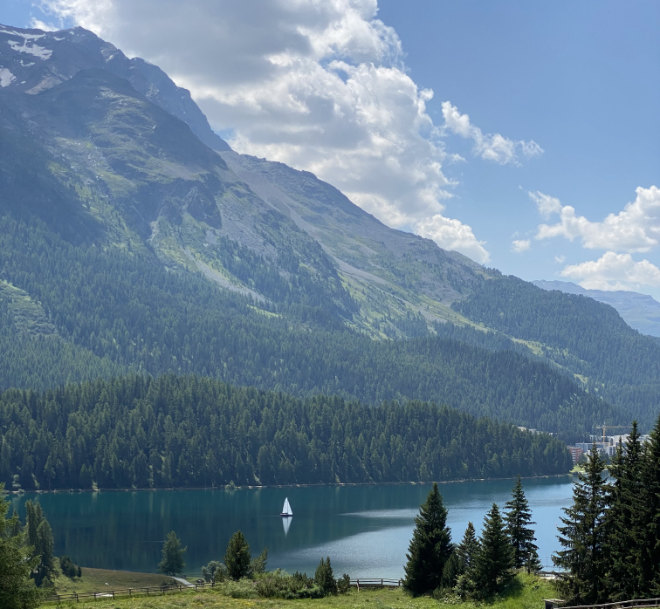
(636, 228)
(458, 236)
(317, 84)
(614, 271)
(521, 245)
(490, 146)
(633, 230)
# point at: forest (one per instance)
(621, 364)
(187, 431)
(74, 313)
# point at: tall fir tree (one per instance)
(493, 567)
(518, 518)
(325, 577)
(40, 539)
(650, 549)
(237, 556)
(430, 547)
(468, 549)
(466, 555)
(172, 561)
(17, 588)
(46, 548)
(625, 521)
(583, 536)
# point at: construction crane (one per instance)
(610, 427)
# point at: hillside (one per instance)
(133, 239)
(640, 311)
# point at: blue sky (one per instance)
(525, 135)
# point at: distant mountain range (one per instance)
(639, 311)
(133, 239)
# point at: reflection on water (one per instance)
(364, 529)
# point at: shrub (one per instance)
(214, 571)
(344, 584)
(325, 578)
(278, 584)
(69, 568)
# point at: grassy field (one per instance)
(527, 594)
(103, 580)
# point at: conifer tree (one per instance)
(237, 556)
(172, 560)
(17, 589)
(45, 547)
(583, 536)
(40, 539)
(325, 578)
(518, 517)
(430, 547)
(650, 547)
(466, 554)
(468, 548)
(625, 521)
(493, 566)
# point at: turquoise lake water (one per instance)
(365, 530)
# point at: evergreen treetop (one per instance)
(583, 536)
(518, 518)
(468, 548)
(172, 562)
(650, 507)
(237, 556)
(493, 567)
(430, 547)
(17, 589)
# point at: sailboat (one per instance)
(286, 509)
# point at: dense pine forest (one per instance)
(187, 431)
(621, 365)
(93, 315)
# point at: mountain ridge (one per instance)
(155, 251)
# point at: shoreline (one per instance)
(231, 487)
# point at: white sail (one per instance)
(286, 508)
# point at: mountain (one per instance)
(132, 239)
(34, 61)
(640, 311)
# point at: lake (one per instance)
(365, 530)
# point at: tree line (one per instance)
(186, 431)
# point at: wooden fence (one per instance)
(629, 604)
(161, 590)
(144, 591)
(375, 583)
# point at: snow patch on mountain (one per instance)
(6, 77)
(30, 48)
